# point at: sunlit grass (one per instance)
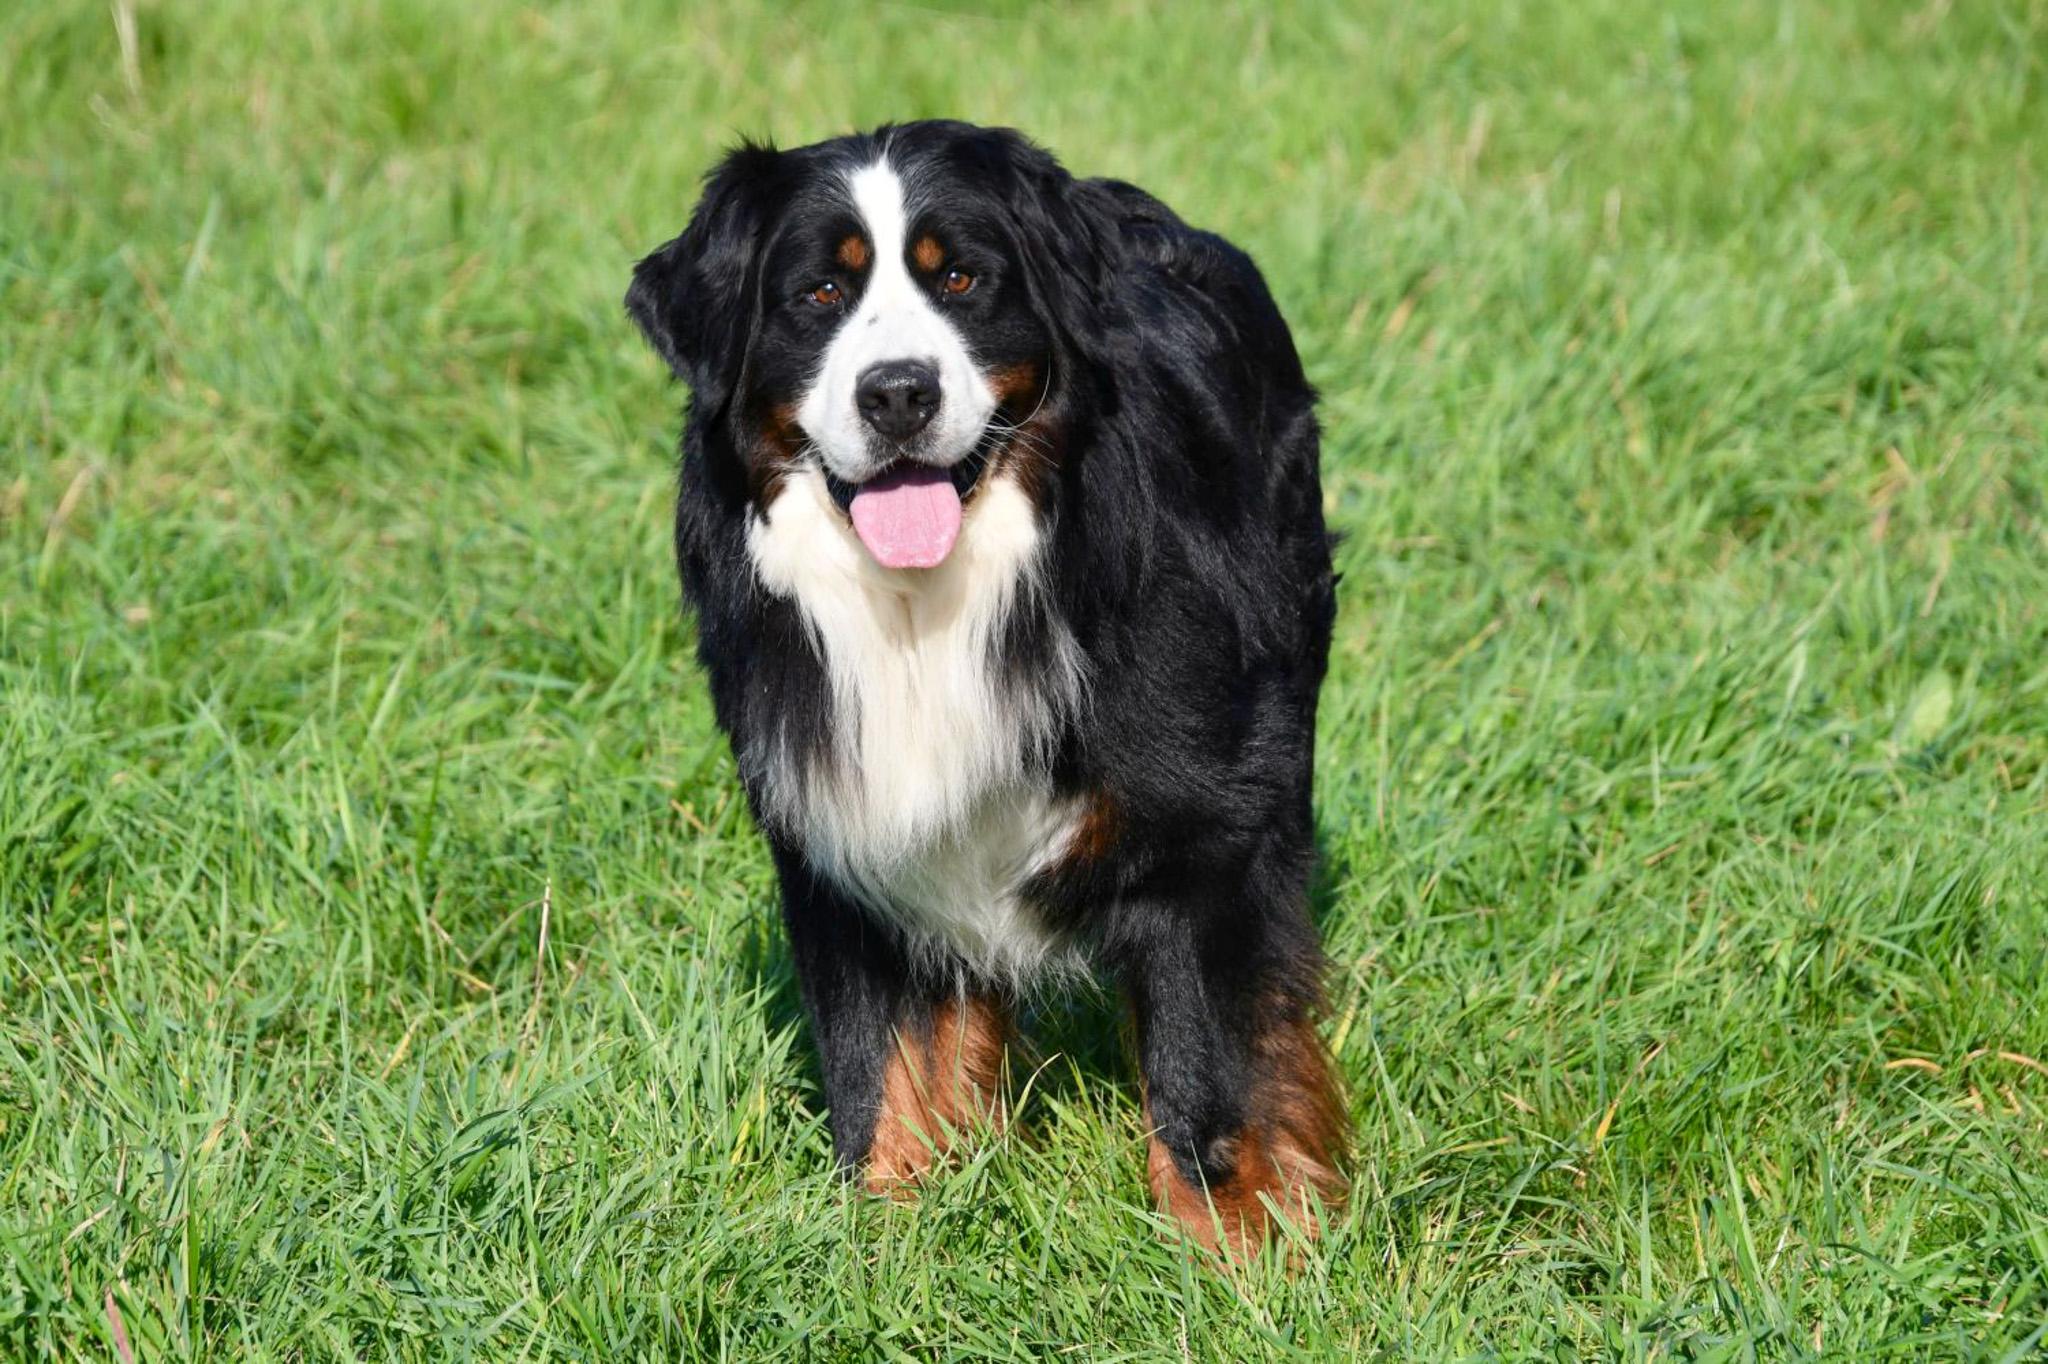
(1684, 767)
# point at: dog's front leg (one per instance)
(911, 1059)
(1246, 1118)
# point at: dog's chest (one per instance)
(932, 805)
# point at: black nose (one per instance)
(898, 397)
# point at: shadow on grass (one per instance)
(1332, 870)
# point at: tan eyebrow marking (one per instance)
(853, 253)
(928, 254)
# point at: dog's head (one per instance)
(897, 307)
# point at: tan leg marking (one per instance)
(937, 1087)
(1292, 1145)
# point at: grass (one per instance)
(387, 968)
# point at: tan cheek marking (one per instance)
(1039, 444)
(1292, 1143)
(1014, 383)
(853, 253)
(772, 455)
(936, 1088)
(928, 254)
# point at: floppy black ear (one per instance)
(1069, 229)
(693, 298)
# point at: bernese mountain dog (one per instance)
(1000, 516)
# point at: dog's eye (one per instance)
(826, 295)
(957, 281)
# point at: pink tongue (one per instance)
(908, 518)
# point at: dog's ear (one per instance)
(694, 297)
(1068, 230)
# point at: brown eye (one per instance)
(957, 281)
(826, 294)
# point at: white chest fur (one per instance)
(937, 810)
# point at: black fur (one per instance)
(1186, 555)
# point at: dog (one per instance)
(1000, 515)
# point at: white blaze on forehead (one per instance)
(878, 198)
(896, 319)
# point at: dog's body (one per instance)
(1000, 513)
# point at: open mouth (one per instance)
(965, 475)
(908, 515)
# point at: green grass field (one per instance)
(388, 968)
